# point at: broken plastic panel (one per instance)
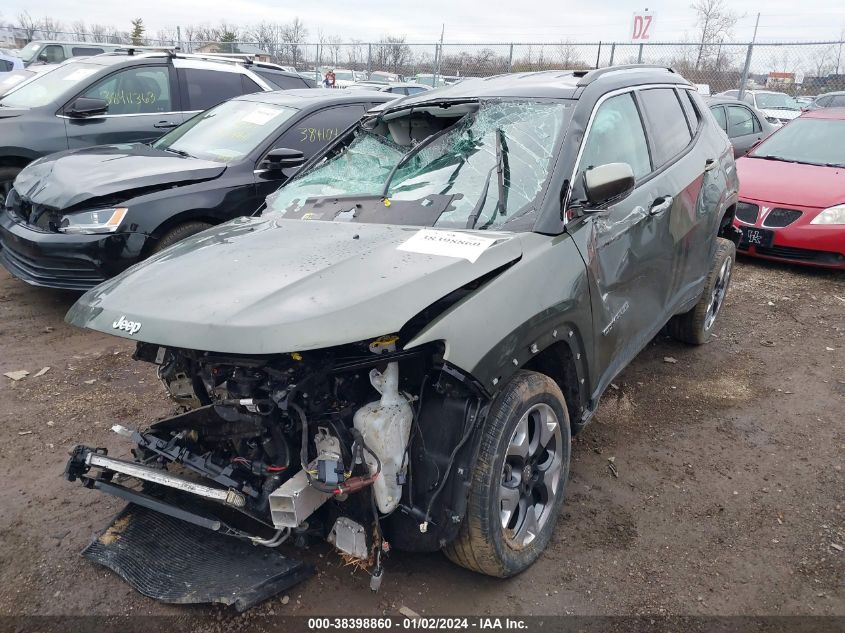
(462, 161)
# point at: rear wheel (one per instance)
(179, 233)
(519, 479)
(7, 178)
(696, 326)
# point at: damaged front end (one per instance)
(280, 449)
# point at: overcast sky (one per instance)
(477, 21)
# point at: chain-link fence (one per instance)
(796, 68)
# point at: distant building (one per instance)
(780, 80)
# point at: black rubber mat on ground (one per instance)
(177, 562)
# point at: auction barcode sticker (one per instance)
(447, 243)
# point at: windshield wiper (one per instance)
(777, 158)
(500, 168)
(179, 152)
(472, 220)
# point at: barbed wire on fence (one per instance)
(793, 67)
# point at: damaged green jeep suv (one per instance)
(398, 351)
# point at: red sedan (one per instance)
(792, 192)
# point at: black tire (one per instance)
(178, 233)
(696, 326)
(483, 543)
(7, 177)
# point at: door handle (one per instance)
(710, 163)
(165, 125)
(660, 205)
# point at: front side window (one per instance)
(616, 136)
(492, 163)
(52, 54)
(139, 90)
(51, 86)
(668, 125)
(226, 133)
(203, 89)
(837, 102)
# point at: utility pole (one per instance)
(439, 56)
(748, 61)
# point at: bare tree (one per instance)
(354, 54)
(80, 30)
(167, 36)
(293, 34)
(392, 53)
(714, 22)
(268, 37)
(50, 28)
(334, 43)
(28, 25)
(98, 32)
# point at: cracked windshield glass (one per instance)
(494, 161)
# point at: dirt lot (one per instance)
(729, 497)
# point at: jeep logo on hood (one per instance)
(129, 326)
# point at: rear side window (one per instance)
(837, 102)
(668, 124)
(316, 130)
(85, 51)
(616, 135)
(414, 90)
(203, 89)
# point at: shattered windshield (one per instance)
(492, 162)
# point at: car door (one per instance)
(743, 128)
(141, 108)
(687, 171)
(627, 245)
(309, 134)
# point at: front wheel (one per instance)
(519, 479)
(696, 326)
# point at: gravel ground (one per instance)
(729, 497)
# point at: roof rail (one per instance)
(589, 76)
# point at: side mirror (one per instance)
(86, 107)
(282, 158)
(606, 182)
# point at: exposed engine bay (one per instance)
(362, 445)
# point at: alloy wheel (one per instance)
(530, 476)
(717, 297)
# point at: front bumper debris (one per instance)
(181, 563)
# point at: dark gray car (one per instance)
(828, 100)
(116, 98)
(744, 125)
(400, 348)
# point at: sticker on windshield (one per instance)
(260, 116)
(80, 74)
(447, 244)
